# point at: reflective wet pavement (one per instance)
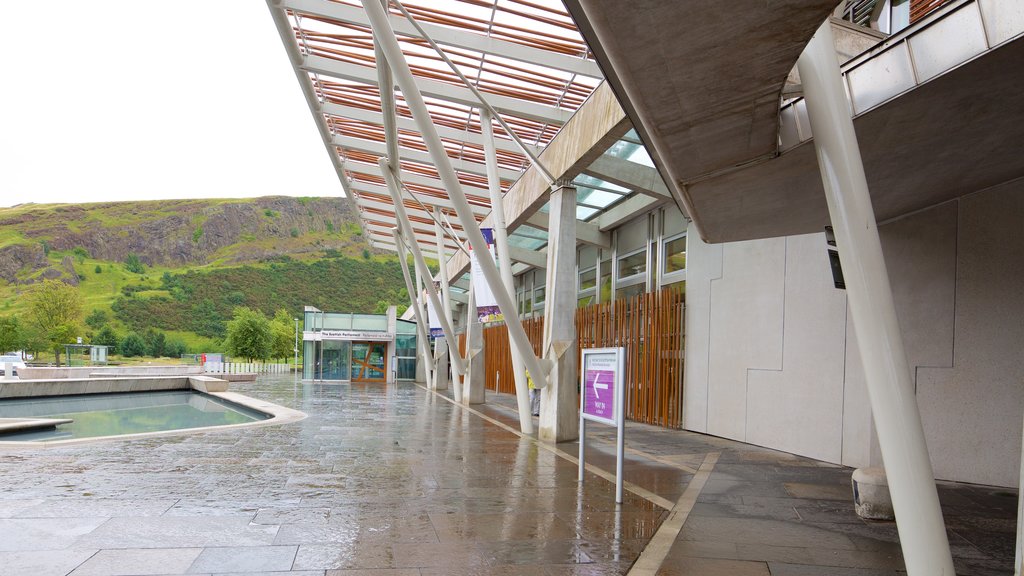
(393, 480)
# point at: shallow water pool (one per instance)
(98, 415)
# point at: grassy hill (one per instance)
(199, 259)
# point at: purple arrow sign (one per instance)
(599, 386)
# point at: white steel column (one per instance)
(421, 322)
(890, 387)
(443, 350)
(424, 346)
(559, 420)
(407, 83)
(421, 265)
(505, 264)
(442, 258)
(473, 381)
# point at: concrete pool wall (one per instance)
(13, 389)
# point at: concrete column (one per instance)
(473, 382)
(887, 373)
(559, 418)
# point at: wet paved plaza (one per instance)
(393, 480)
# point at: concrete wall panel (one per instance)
(972, 412)
(772, 359)
(799, 408)
(703, 265)
(746, 329)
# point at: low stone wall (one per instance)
(114, 385)
(48, 373)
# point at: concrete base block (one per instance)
(871, 494)
(208, 384)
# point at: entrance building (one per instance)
(347, 347)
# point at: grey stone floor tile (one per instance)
(95, 507)
(347, 556)
(179, 532)
(245, 559)
(780, 569)
(376, 572)
(19, 534)
(713, 567)
(43, 562)
(138, 562)
(11, 508)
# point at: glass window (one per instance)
(675, 254)
(629, 291)
(405, 345)
(588, 279)
(584, 301)
(369, 322)
(538, 296)
(633, 264)
(677, 286)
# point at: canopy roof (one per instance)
(525, 56)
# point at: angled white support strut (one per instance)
(421, 330)
(890, 386)
(403, 77)
(505, 261)
(421, 265)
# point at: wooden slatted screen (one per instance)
(921, 8)
(649, 326)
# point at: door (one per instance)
(368, 361)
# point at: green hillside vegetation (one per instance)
(194, 262)
(202, 301)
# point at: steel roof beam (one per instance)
(625, 210)
(628, 174)
(373, 117)
(380, 149)
(535, 258)
(358, 187)
(441, 90)
(586, 232)
(411, 178)
(464, 39)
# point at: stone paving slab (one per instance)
(393, 480)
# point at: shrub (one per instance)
(98, 269)
(132, 345)
(133, 264)
(294, 232)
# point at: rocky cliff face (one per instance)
(174, 233)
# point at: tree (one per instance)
(96, 319)
(283, 328)
(133, 264)
(175, 348)
(132, 345)
(55, 309)
(12, 336)
(249, 334)
(107, 337)
(155, 341)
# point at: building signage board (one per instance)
(357, 335)
(486, 304)
(433, 320)
(603, 400)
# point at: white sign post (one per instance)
(602, 399)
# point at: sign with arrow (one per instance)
(602, 400)
(600, 385)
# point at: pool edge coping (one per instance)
(278, 415)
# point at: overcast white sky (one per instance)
(129, 100)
